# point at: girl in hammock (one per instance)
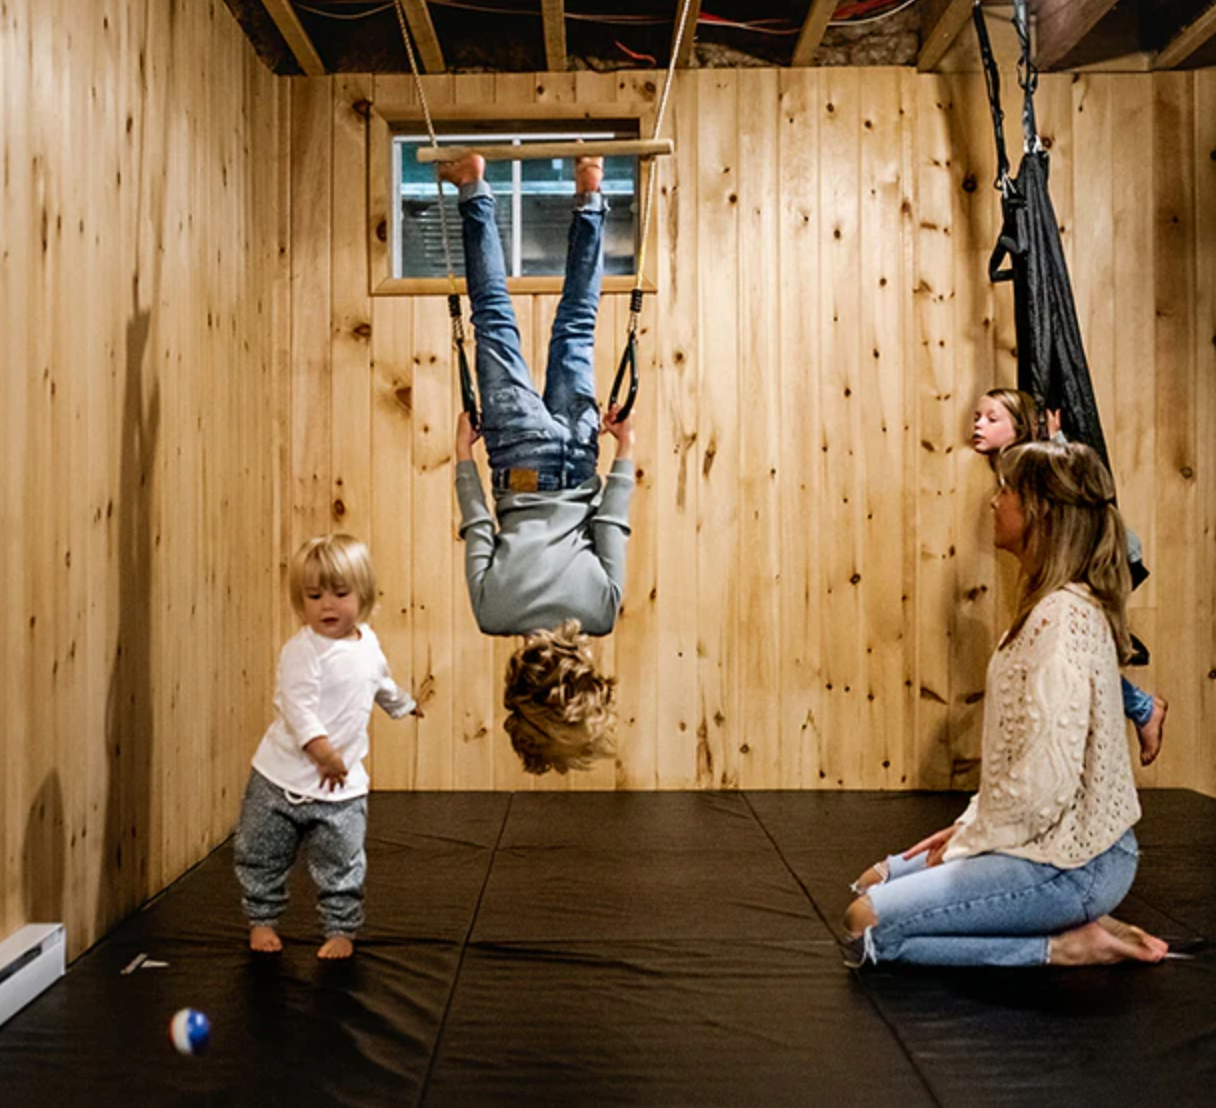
(1008, 417)
(549, 564)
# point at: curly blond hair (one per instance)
(560, 713)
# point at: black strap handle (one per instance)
(629, 361)
(468, 396)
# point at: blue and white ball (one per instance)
(190, 1031)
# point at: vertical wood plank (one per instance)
(717, 444)
(759, 735)
(802, 721)
(311, 387)
(1177, 499)
(675, 466)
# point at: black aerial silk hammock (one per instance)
(1051, 359)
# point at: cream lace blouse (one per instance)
(1057, 782)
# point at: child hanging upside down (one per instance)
(553, 568)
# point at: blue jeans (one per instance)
(550, 441)
(1137, 704)
(990, 909)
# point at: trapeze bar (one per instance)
(529, 151)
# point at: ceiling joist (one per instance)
(684, 57)
(941, 22)
(813, 28)
(1062, 24)
(418, 19)
(1187, 41)
(553, 14)
(298, 42)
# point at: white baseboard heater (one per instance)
(30, 961)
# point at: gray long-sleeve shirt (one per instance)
(554, 555)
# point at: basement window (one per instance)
(534, 199)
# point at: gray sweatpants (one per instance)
(269, 834)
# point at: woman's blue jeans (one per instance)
(536, 443)
(990, 909)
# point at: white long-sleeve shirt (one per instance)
(326, 687)
(1057, 783)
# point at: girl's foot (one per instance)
(1151, 733)
(265, 940)
(472, 167)
(1104, 943)
(336, 948)
(588, 173)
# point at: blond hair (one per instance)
(560, 713)
(333, 562)
(1074, 533)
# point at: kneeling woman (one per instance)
(1030, 871)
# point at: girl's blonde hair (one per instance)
(333, 562)
(560, 713)
(1074, 532)
(1023, 413)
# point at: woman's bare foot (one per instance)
(265, 940)
(336, 948)
(1104, 943)
(1151, 733)
(472, 167)
(588, 173)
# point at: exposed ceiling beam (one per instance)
(1061, 26)
(684, 58)
(553, 12)
(1187, 41)
(941, 21)
(418, 18)
(813, 27)
(298, 42)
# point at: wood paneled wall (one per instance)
(812, 592)
(143, 308)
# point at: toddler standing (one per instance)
(309, 784)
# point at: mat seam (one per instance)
(899, 1040)
(464, 946)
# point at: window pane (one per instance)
(422, 253)
(543, 203)
(548, 196)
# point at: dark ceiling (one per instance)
(364, 36)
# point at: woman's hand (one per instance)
(935, 844)
(619, 429)
(466, 435)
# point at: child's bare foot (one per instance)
(472, 167)
(1104, 943)
(265, 940)
(336, 948)
(588, 173)
(1151, 733)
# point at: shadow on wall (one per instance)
(129, 722)
(44, 854)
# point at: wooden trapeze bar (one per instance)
(530, 151)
